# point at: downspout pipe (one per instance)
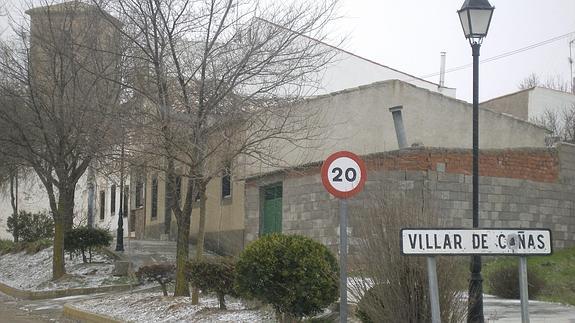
(399, 128)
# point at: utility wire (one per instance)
(503, 55)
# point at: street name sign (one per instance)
(343, 174)
(504, 242)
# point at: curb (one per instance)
(75, 313)
(34, 295)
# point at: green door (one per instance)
(272, 209)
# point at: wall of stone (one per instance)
(525, 188)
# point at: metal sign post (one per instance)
(343, 174)
(433, 289)
(523, 289)
(343, 260)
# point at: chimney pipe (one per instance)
(399, 129)
(442, 71)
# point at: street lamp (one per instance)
(475, 16)
(120, 230)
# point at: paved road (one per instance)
(13, 310)
(509, 311)
(16, 311)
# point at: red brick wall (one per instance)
(540, 165)
(535, 164)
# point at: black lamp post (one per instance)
(120, 231)
(475, 16)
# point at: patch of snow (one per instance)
(151, 307)
(34, 271)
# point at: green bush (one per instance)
(84, 239)
(503, 281)
(163, 274)
(215, 276)
(37, 246)
(294, 274)
(29, 226)
(6, 246)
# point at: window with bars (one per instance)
(154, 197)
(178, 188)
(227, 182)
(139, 194)
(102, 205)
(125, 207)
(113, 199)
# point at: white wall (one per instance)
(349, 71)
(542, 99)
(32, 197)
(359, 120)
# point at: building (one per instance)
(357, 119)
(73, 63)
(532, 104)
(351, 112)
(519, 188)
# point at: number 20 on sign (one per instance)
(343, 174)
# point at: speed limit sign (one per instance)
(343, 174)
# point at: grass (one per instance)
(6, 246)
(32, 247)
(557, 271)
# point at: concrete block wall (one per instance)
(525, 188)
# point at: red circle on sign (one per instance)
(325, 174)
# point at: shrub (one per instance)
(294, 274)
(29, 226)
(37, 246)
(85, 239)
(503, 280)
(215, 276)
(371, 300)
(388, 284)
(163, 274)
(6, 246)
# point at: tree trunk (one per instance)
(170, 198)
(14, 202)
(182, 254)
(201, 236)
(222, 301)
(58, 268)
(63, 217)
(66, 204)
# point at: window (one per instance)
(227, 182)
(154, 197)
(139, 193)
(125, 208)
(113, 199)
(102, 205)
(178, 189)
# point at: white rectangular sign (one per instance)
(509, 242)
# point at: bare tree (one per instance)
(554, 83)
(57, 98)
(219, 80)
(10, 175)
(560, 123)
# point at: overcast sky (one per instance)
(410, 34)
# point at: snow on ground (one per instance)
(151, 307)
(34, 272)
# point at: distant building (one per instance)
(531, 104)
